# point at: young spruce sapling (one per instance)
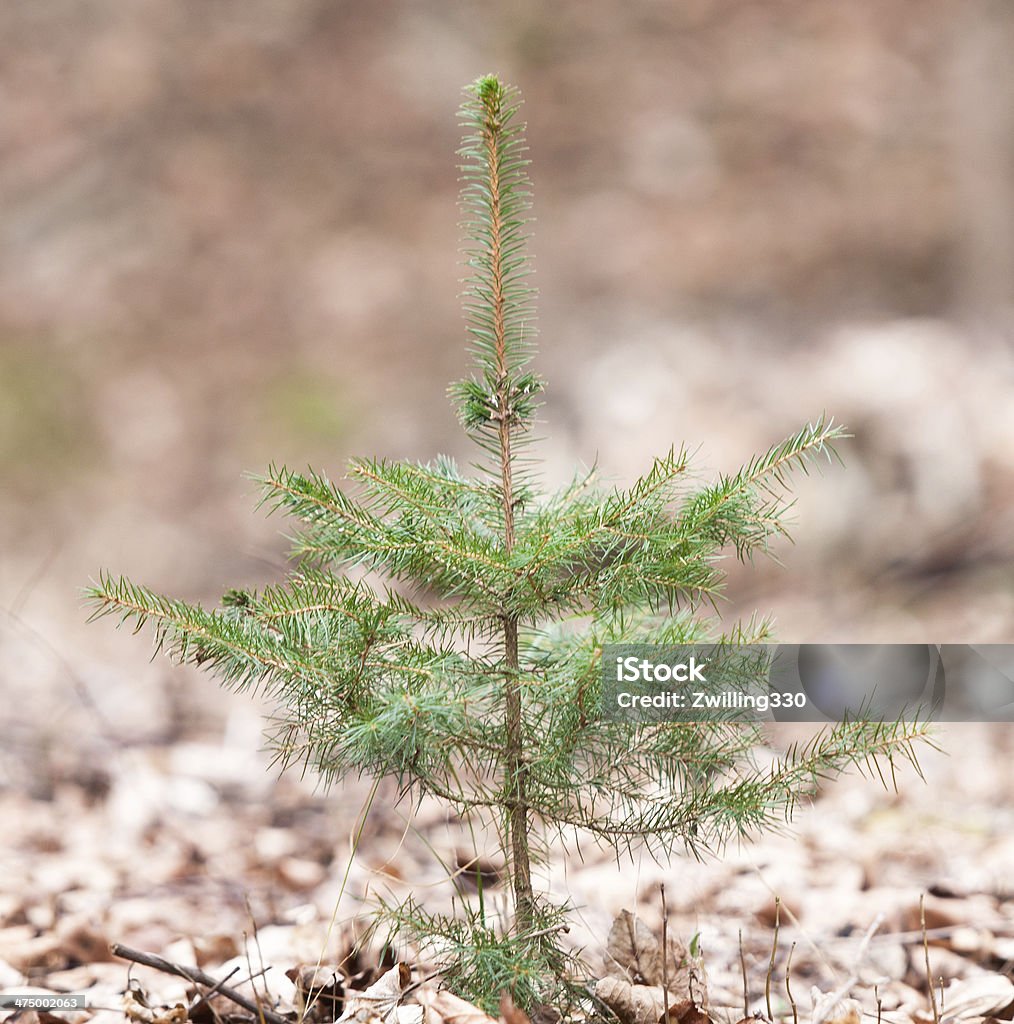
(474, 674)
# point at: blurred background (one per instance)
(229, 237)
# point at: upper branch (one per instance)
(499, 304)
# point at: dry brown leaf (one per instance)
(211, 1010)
(84, 976)
(635, 950)
(510, 1012)
(13, 937)
(969, 941)
(28, 952)
(981, 996)
(938, 914)
(685, 1012)
(632, 1004)
(34, 1017)
(10, 977)
(543, 1013)
(214, 948)
(136, 1009)
(74, 942)
(635, 955)
(943, 964)
(831, 1008)
(82, 943)
(446, 1006)
(980, 944)
(891, 962)
(789, 906)
(320, 991)
(646, 1004)
(380, 1002)
(424, 997)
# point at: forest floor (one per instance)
(147, 815)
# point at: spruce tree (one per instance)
(473, 675)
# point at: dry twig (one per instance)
(198, 977)
(742, 964)
(925, 949)
(665, 957)
(771, 962)
(788, 989)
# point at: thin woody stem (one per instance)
(516, 800)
